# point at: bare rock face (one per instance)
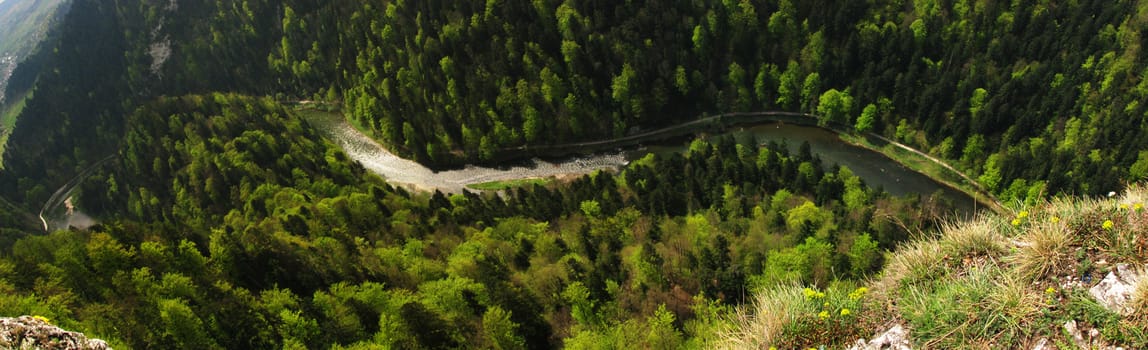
(896, 338)
(27, 332)
(1115, 290)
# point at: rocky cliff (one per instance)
(28, 332)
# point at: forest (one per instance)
(219, 242)
(226, 221)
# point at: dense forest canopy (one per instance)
(1031, 97)
(225, 221)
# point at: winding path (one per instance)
(64, 191)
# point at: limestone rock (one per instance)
(1115, 290)
(27, 332)
(1043, 344)
(1091, 340)
(1076, 334)
(896, 338)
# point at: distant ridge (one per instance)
(23, 23)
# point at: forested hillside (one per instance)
(231, 225)
(226, 221)
(1031, 97)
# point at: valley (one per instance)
(649, 174)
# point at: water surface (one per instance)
(873, 168)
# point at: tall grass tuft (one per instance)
(1043, 249)
(760, 327)
(1139, 302)
(1011, 308)
(919, 261)
(977, 238)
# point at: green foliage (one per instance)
(867, 119)
(499, 330)
(226, 222)
(1139, 170)
(864, 256)
(834, 107)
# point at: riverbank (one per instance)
(376, 158)
(933, 168)
(913, 159)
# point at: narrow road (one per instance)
(999, 207)
(726, 120)
(64, 191)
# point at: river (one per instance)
(873, 168)
(406, 172)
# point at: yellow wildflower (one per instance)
(823, 315)
(1054, 219)
(1023, 214)
(1124, 206)
(1050, 291)
(858, 293)
(42, 319)
(809, 293)
(1016, 222)
(1137, 206)
(1108, 225)
(845, 312)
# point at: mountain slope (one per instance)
(24, 23)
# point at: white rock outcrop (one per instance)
(896, 338)
(27, 332)
(1115, 290)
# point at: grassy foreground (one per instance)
(995, 282)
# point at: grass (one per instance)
(508, 184)
(997, 281)
(1043, 250)
(792, 317)
(1140, 303)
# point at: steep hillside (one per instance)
(1070, 272)
(226, 222)
(23, 25)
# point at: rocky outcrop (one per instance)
(1115, 290)
(27, 332)
(896, 338)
